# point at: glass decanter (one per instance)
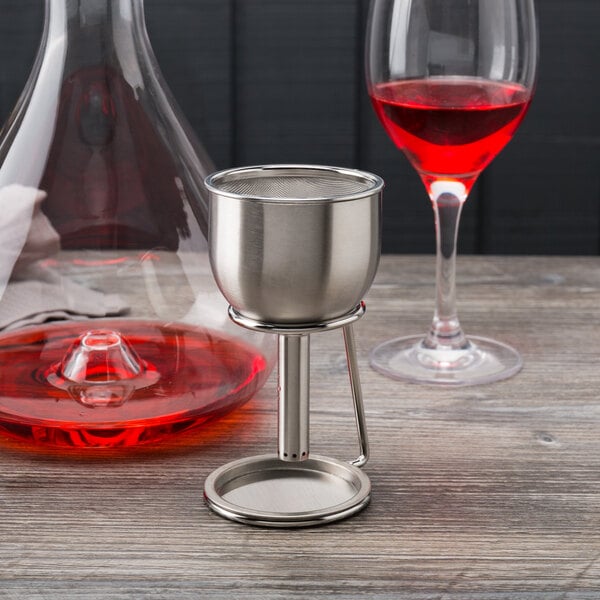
(112, 330)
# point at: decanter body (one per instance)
(112, 330)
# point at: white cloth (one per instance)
(32, 292)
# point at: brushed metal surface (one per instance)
(303, 258)
(294, 403)
(263, 490)
(298, 369)
(293, 247)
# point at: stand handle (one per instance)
(359, 411)
(294, 380)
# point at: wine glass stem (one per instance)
(447, 200)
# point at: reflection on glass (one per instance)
(109, 315)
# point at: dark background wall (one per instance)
(266, 81)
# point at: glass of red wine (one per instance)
(450, 81)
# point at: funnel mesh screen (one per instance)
(300, 184)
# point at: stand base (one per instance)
(483, 361)
(266, 491)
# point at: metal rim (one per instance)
(211, 182)
(297, 328)
(223, 480)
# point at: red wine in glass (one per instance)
(185, 376)
(450, 125)
(114, 196)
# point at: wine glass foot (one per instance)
(482, 361)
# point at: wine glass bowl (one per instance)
(450, 81)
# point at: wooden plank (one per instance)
(296, 81)
(483, 493)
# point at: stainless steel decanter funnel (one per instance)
(294, 244)
(293, 249)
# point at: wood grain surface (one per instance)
(486, 493)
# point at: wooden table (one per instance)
(489, 492)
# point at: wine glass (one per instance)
(450, 81)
